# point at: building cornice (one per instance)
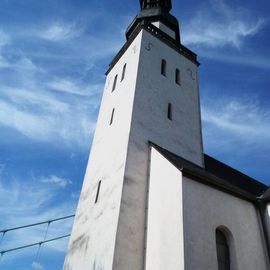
(153, 30)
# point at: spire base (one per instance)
(153, 15)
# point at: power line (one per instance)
(35, 224)
(32, 245)
(40, 246)
(1, 238)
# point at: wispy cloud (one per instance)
(4, 38)
(67, 86)
(235, 122)
(48, 103)
(26, 203)
(218, 25)
(37, 266)
(55, 180)
(53, 126)
(36, 110)
(247, 59)
(61, 32)
(2, 168)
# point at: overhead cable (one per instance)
(35, 244)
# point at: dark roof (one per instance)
(233, 176)
(217, 175)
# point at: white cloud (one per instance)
(36, 97)
(238, 59)
(35, 107)
(55, 180)
(71, 128)
(2, 168)
(60, 32)
(41, 115)
(218, 24)
(67, 86)
(3, 62)
(37, 266)
(245, 123)
(4, 38)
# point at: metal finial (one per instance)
(164, 4)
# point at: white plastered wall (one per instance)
(205, 209)
(165, 239)
(92, 242)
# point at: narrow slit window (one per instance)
(177, 76)
(112, 116)
(169, 111)
(163, 67)
(114, 82)
(98, 190)
(124, 72)
(223, 251)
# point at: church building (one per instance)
(151, 199)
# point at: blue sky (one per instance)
(53, 56)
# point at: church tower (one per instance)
(151, 97)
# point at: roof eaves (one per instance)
(199, 174)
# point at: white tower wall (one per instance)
(94, 232)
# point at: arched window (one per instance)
(223, 251)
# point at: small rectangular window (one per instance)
(177, 76)
(98, 190)
(169, 111)
(114, 82)
(111, 121)
(163, 67)
(123, 72)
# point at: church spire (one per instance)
(164, 4)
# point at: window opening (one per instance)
(177, 76)
(124, 72)
(169, 111)
(112, 116)
(163, 67)
(98, 190)
(223, 251)
(114, 82)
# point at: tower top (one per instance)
(164, 4)
(153, 11)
